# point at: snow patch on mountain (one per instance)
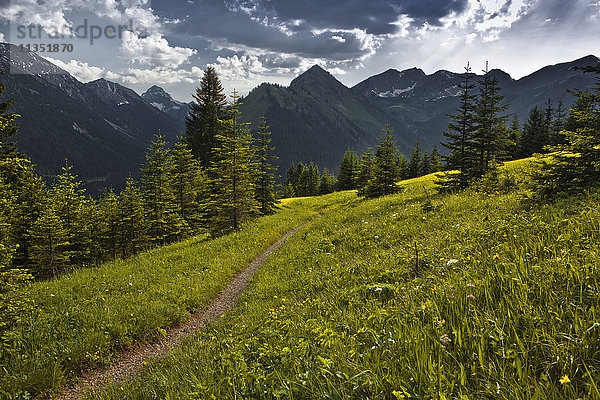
(396, 92)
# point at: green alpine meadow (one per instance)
(290, 217)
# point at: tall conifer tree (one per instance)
(7, 125)
(188, 184)
(232, 175)
(164, 222)
(365, 173)
(202, 123)
(348, 171)
(535, 133)
(385, 168)
(133, 223)
(50, 248)
(73, 209)
(575, 165)
(265, 179)
(460, 139)
(490, 132)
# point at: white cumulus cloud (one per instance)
(80, 70)
(153, 50)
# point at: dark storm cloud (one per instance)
(212, 20)
(289, 27)
(375, 16)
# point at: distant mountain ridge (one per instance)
(317, 118)
(101, 128)
(104, 128)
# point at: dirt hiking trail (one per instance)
(129, 362)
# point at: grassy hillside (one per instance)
(480, 297)
(83, 318)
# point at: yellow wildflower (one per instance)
(565, 379)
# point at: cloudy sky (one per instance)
(169, 42)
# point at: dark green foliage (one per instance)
(558, 124)
(202, 124)
(535, 134)
(327, 183)
(288, 191)
(348, 171)
(291, 176)
(308, 180)
(107, 227)
(385, 168)
(74, 210)
(29, 195)
(189, 185)
(461, 140)
(575, 165)
(164, 222)
(14, 303)
(365, 173)
(265, 179)
(7, 124)
(511, 147)
(477, 137)
(50, 248)
(7, 207)
(491, 133)
(415, 162)
(133, 225)
(232, 175)
(435, 161)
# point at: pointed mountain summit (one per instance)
(319, 83)
(316, 119)
(160, 99)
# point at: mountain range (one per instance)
(103, 128)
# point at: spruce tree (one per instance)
(489, 136)
(13, 303)
(461, 160)
(265, 179)
(188, 185)
(108, 226)
(7, 208)
(232, 175)
(308, 180)
(558, 124)
(30, 195)
(385, 168)
(202, 123)
(327, 182)
(348, 170)
(303, 186)
(575, 165)
(511, 150)
(535, 133)
(164, 222)
(50, 251)
(7, 125)
(435, 160)
(291, 176)
(365, 173)
(74, 210)
(415, 161)
(314, 179)
(133, 224)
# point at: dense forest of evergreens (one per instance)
(213, 180)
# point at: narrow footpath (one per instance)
(129, 362)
